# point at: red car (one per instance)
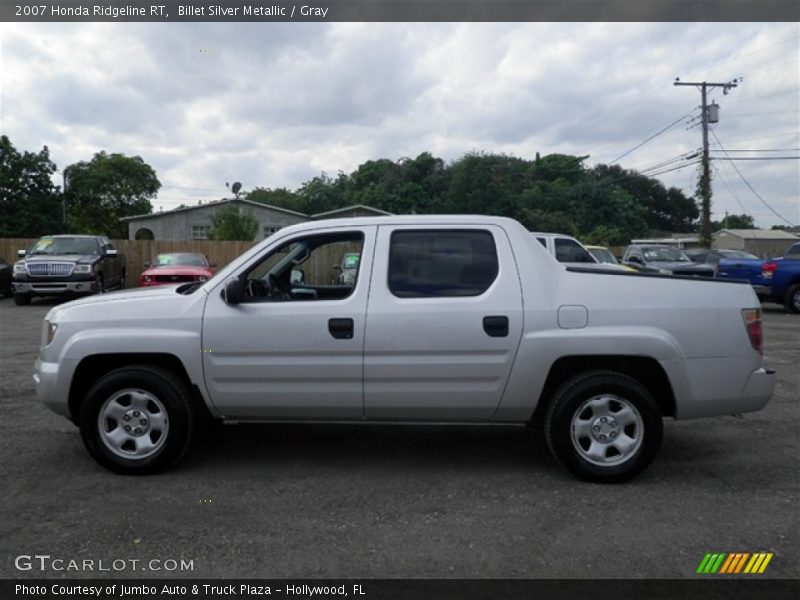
(177, 267)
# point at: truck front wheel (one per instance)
(792, 300)
(137, 420)
(603, 426)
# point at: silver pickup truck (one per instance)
(454, 319)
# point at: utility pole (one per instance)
(64, 201)
(705, 178)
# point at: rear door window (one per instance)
(434, 263)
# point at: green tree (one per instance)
(743, 221)
(30, 205)
(107, 188)
(229, 224)
(280, 197)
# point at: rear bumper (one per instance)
(763, 291)
(717, 390)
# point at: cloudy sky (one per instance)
(273, 105)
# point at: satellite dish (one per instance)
(236, 187)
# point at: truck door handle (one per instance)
(341, 329)
(495, 326)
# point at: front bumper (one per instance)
(51, 389)
(54, 288)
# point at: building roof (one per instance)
(215, 203)
(758, 234)
(332, 213)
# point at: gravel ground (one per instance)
(312, 501)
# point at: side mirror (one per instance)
(111, 252)
(147, 264)
(297, 276)
(234, 291)
(635, 259)
(21, 253)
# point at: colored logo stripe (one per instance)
(734, 563)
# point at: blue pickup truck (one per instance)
(774, 280)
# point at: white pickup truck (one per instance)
(453, 319)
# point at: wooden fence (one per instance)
(138, 251)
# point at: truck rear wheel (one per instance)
(792, 299)
(137, 420)
(603, 426)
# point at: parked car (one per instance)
(5, 279)
(177, 267)
(569, 251)
(67, 265)
(664, 259)
(349, 268)
(461, 319)
(712, 256)
(604, 256)
(774, 280)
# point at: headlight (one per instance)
(83, 269)
(19, 268)
(146, 278)
(51, 332)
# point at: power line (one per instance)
(652, 137)
(729, 187)
(764, 150)
(755, 157)
(696, 162)
(752, 189)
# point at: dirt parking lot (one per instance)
(286, 501)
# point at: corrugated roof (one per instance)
(759, 234)
(216, 203)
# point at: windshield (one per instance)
(603, 255)
(65, 245)
(664, 254)
(181, 259)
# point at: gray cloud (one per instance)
(276, 104)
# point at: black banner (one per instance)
(399, 10)
(396, 589)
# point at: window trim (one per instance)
(434, 231)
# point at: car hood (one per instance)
(74, 258)
(178, 270)
(679, 266)
(155, 298)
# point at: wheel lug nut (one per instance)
(137, 430)
(126, 418)
(603, 420)
(613, 434)
(127, 427)
(596, 427)
(142, 422)
(613, 423)
(136, 413)
(602, 437)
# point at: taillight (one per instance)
(768, 268)
(752, 322)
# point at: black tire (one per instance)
(166, 393)
(631, 432)
(100, 284)
(22, 300)
(122, 281)
(792, 299)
